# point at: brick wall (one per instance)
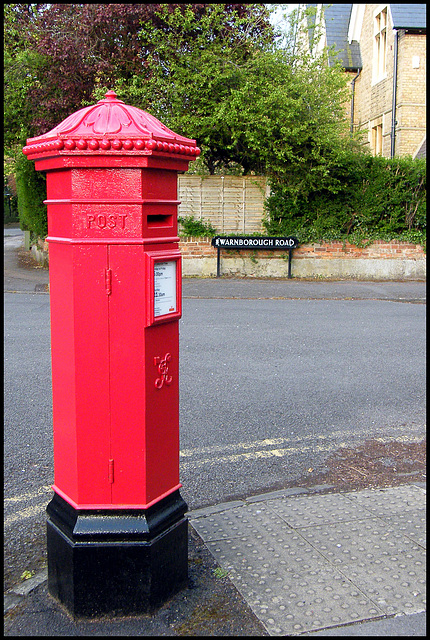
(201, 247)
(373, 98)
(411, 92)
(335, 260)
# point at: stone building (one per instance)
(383, 49)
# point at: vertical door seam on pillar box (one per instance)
(127, 374)
(110, 462)
(91, 375)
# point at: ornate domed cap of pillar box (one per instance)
(111, 127)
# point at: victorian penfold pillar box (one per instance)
(117, 532)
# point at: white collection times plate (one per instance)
(164, 288)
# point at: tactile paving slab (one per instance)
(305, 563)
(303, 511)
(412, 525)
(386, 502)
(386, 565)
(299, 601)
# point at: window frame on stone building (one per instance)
(380, 44)
(376, 138)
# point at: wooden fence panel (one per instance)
(189, 192)
(232, 204)
(212, 193)
(256, 191)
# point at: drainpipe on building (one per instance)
(351, 127)
(393, 108)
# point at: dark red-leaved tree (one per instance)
(85, 46)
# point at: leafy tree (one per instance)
(60, 57)
(255, 102)
(209, 71)
(70, 48)
(197, 61)
(84, 47)
(249, 103)
(21, 67)
(332, 189)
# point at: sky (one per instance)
(277, 18)
(281, 9)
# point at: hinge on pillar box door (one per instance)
(110, 472)
(108, 281)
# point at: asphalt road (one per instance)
(271, 387)
(274, 377)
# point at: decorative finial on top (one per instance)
(110, 95)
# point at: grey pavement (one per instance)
(16, 278)
(300, 289)
(305, 561)
(309, 563)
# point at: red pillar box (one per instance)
(117, 534)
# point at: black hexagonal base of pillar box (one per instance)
(120, 562)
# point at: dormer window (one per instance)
(380, 45)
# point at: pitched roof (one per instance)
(337, 18)
(408, 16)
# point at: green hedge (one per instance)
(31, 188)
(374, 198)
